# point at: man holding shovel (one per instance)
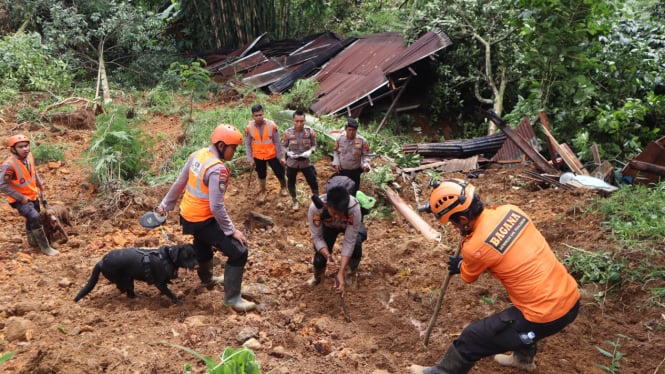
(504, 241)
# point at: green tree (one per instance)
(28, 65)
(98, 37)
(483, 58)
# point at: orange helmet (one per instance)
(18, 139)
(227, 134)
(450, 197)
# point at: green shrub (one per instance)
(634, 214)
(118, 152)
(46, 152)
(29, 65)
(301, 95)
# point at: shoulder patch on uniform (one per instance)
(317, 220)
(223, 180)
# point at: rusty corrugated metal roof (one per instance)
(509, 151)
(361, 70)
(426, 45)
(356, 71)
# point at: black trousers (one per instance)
(500, 333)
(29, 211)
(208, 235)
(310, 176)
(330, 237)
(275, 165)
(354, 175)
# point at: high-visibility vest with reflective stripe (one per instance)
(263, 147)
(195, 204)
(25, 181)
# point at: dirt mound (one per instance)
(297, 329)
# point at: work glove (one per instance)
(454, 265)
(306, 154)
(291, 154)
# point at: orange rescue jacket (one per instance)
(195, 204)
(25, 181)
(263, 147)
(507, 243)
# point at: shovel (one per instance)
(43, 200)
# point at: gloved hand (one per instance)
(306, 154)
(454, 264)
(290, 154)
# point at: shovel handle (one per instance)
(437, 309)
(43, 200)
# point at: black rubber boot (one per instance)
(40, 237)
(232, 286)
(283, 191)
(206, 275)
(32, 242)
(451, 363)
(351, 271)
(318, 276)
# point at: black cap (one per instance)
(352, 123)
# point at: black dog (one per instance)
(154, 266)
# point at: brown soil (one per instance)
(300, 330)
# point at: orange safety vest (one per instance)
(263, 147)
(507, 243)
(195, 204)
(25, 181)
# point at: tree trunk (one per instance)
(103, 80)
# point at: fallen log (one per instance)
(261, 219)
(414, 219)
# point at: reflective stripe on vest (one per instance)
(262, 144)
(195, 204)
(24, 181)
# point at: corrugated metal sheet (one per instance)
(509, 152)
(356, 71)
(360, 72)
(426, 45)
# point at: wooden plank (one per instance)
(596, 154)
(546, 124)
(573, 158)
(532, 154)
(568, 158)
(448, 166)
(648, 167)
(414, 219)
(605, 172)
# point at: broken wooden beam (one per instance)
(412, 217)
(647, 167)
(532, 154)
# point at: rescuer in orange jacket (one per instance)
(204, 180)
(263, 147)
(20, 181)
(504, 241)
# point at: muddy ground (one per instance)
(296, 329)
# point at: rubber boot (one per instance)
(282, 189)
(318, 276)
(522, 359)
(351, 271)
(206, 275)
(295, 203)
(32, 242)
(262, 190)
(40, 237)
(451, 363)
(232, 286)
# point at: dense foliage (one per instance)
(595, 67)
